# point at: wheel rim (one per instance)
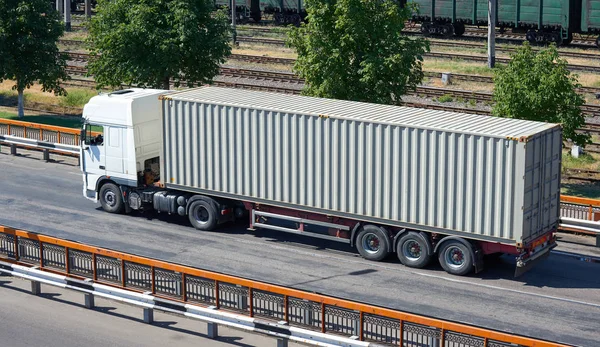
(371, 243)
(455, 257)
(412, 250)
(110, 198)
(201, 215)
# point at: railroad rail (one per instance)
(288, 312)
(438, 43)
(286, 77)
(489, 79)
(83, 57)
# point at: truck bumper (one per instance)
(528, 259)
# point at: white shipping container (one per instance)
(496, 179)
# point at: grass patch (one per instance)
(585, 161)
(77, 97)
(584, 190)
(69, 122)
(445, 98)
(457, 67)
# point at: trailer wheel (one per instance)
(413, 250)
(456, 257)
(110, 198)
(203, 215)
(372, 243)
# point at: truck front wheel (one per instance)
(413, 250)
(203, 215)
(456, 257)
(110, 198)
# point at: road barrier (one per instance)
(580, 215)
(285, 313)
(48, 138)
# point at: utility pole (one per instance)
(233, 15)
(88, 9)
(59, 6)
(492, 33)
(67, 15)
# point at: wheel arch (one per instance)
(454, 237)
(120, 183)
(475, 248)
(422, 234)
(197, 197)
(356, 230)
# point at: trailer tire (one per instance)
(110, 198)
(456, 257)
(413, 250)
(372, 243)
(203, 215)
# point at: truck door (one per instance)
(94, 158)
(115, 147)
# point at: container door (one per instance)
(541, 206)
(115, 150)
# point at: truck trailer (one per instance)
(419, 183)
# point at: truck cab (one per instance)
(120, 139)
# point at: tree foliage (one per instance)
(538, 86)
(29, 32)
(148, 42)
(354, 50)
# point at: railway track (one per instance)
(489, 79)
(435, 55)
(452, 56)
(456, 44)
(83, 57)
(286, 77)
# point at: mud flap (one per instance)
(524, 266)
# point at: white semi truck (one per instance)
(419, 183)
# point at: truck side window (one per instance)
(94, 134)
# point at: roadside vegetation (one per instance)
(28, 43)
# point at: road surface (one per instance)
(557, 300)
(58, 318)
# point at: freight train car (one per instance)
(590, 18)
(282, 11)
(548, 21)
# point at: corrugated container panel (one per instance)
(393, 165)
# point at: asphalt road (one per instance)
(58, 318)
(558, 300)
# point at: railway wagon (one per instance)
(544, 21)
(384, 179)
(590, 18)
(283, 11)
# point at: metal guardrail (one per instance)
(580, 215)
(48, 138)
(176, 286)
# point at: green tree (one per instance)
(538, 86)
(29, 32)
(149, 42)
(354, 50)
